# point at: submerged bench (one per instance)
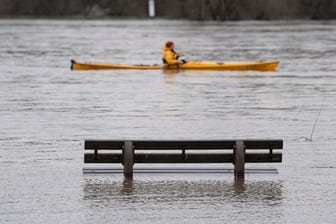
(237, 152)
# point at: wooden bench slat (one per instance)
(199, 144)
(183, 144)
(178, 158)
(263, 144)
(103, 144)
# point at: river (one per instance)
(47, 111)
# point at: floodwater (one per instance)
(47, 111)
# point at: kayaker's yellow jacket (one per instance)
(169, 56)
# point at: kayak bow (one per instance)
(195, 65)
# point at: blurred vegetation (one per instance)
(174, 9)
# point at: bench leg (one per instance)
(128, 159)
(239, 159)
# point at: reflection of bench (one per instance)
(237, 152)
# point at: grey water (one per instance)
(47, 111)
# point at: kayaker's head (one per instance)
(170, 45)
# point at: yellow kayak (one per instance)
(196, 65)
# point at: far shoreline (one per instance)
(90, 18)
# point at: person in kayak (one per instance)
(170, 57)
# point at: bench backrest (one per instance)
(242, 151)
(182, 144)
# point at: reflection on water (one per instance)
(185, 201)
(170, 71)
(107, 192)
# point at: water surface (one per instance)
(46, 112)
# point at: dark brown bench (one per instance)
(237, 152)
